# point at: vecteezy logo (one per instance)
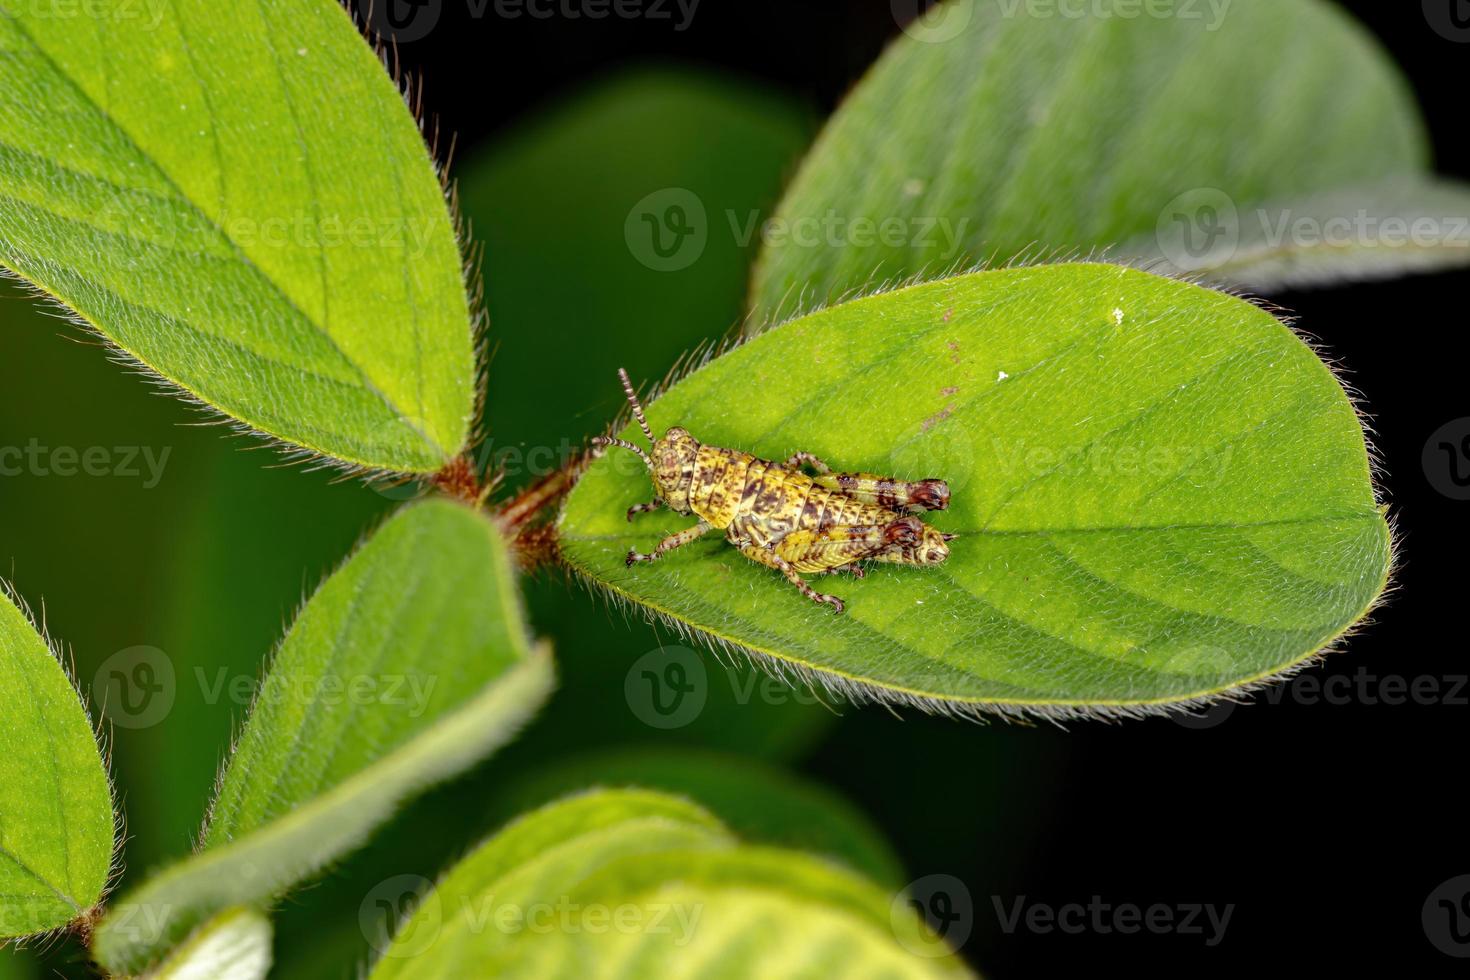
(667, 688)
(1446, 459)
(942, 902)
(135, 687)
(399, 20)
(935, 23)
(1449, 18)
(1207, 668)
(667, 230)
(1446, 917)
(402, 916)
(1199, 229)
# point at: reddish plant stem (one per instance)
(520, 516)
(459, 480)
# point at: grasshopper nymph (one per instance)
(783, 518)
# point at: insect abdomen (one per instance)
(729, 483)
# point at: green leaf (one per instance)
(649, 884)
(758, 801)
(408, 665)
(1391, 228)
(56, 822)
(1161, 494)
(234, 945)
(534, 860)
(173, 174)
(1003, 128)
(754, 911)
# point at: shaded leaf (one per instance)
(234, 945)
(175, 177)
(409, 664)
(758, 801)
(56, 821)
(1397, 226)
(624, 880)
(453, 932)
(1002, 128)
(1161, 494)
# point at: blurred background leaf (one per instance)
(700, 902)
(758, 801)
(234, 945)
(992, 130)
(411, 663)
(533, 860)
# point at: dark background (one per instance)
(1325, 822)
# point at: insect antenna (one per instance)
(625, 444)
(637, 408)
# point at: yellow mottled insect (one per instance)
(783, 518)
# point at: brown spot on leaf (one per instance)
(947, 392)
(936, 418)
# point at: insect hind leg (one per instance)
(792, 576)
(886, 492)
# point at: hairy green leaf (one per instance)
(754, 911)
(759, 801)
(409, 664)
(173, 174)
(234, 945)
(1161, 494)
(649, 885)
(56, 822)
(463, 927)
(996, 128)
(1391, 228)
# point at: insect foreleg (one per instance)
(652, 505)
(885, 491)
(671, 542)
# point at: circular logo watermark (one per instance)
(399, 21)
(914, 458)
(1449, 18)
(401, 916)
(1199, 229)
(1446, 459)
(150, 228)
(1208, 666)
(942, 903)
(667, 688)
(397, 431)
(135, 687)
(667, 230)
(933, 23)
(1446, 917)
